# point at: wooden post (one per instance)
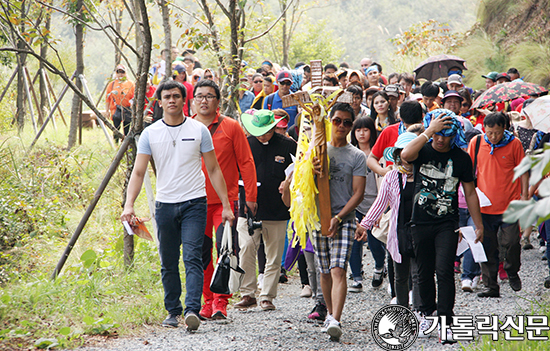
(40, 117)
(101, 124)
(8, 85)
(31, 108)
(110, 172)
(55, 98)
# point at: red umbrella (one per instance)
(508, 91)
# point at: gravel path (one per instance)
(287, 328)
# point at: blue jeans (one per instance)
(376, 248)
(181, 224)
(470, 268)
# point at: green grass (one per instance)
(43, 195)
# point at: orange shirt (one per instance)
(234, 155)
(119, 92)
(495, 173)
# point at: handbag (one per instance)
(404, 235)
(381, 232)
(228, 276)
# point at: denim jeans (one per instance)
(470, 268)
(376, 248)
(181, 224)
(435, 251)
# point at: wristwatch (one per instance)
(338, 218)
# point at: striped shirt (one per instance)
(388, 194)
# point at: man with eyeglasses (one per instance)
(119, 95)
(275, 100)
(178, 144)
(348, 171)
(234, 156)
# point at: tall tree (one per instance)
(79, 42)
(163, 4)
(21, 63)
(44, 105)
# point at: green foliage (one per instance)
(532, 59)
(425, 39)
(482, 55)
(95, 294)
(307, 44)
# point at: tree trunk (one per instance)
(118, 42)
(285, 35)
(167, 31)
(230, 92)
(21, 61)
(75, 110)
(44, 105)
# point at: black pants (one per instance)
(435, 250)
(406, 277)
(508, 241)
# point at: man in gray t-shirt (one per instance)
(347, 171)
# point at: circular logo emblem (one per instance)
(394, 327)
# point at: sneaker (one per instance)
(246, 302)
(542, 249)
(327, 322)
(547, 282)
(457, 267)
(306, 291)
(515, 282)
(334, 330)
(356, 287)
(544, 258)
(467, 285)
(283, 278)
(528, 246)
(220, 309)
(171, 321)
(501, 272)
(377, 277)
(489, 293)
(446, 338)
(475, 282)
(319, 312)
(424, 325)
(192, 321)
(206, 310)
(261, 281)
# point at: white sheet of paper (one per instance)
(128, 228)
(483, 199)
(477, 248)
(462, 246)
(289, 170)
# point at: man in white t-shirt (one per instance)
(177, 144)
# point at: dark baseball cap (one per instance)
(503, 75)
(284, 75)
(392, 90)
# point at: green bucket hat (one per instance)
(259, 122)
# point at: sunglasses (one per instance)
(257, 81)
(196, 77)
(337, 121)
(286, 82)
(465, 105)
(120, 71)
(208, 77)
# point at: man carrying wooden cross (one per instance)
(348, 172)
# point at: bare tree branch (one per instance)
(225, 11)
(270, 27)
(71, 85)
(190, 14)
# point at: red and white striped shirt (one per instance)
(388, 194)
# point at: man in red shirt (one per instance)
(499, 153)
(234, 156)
